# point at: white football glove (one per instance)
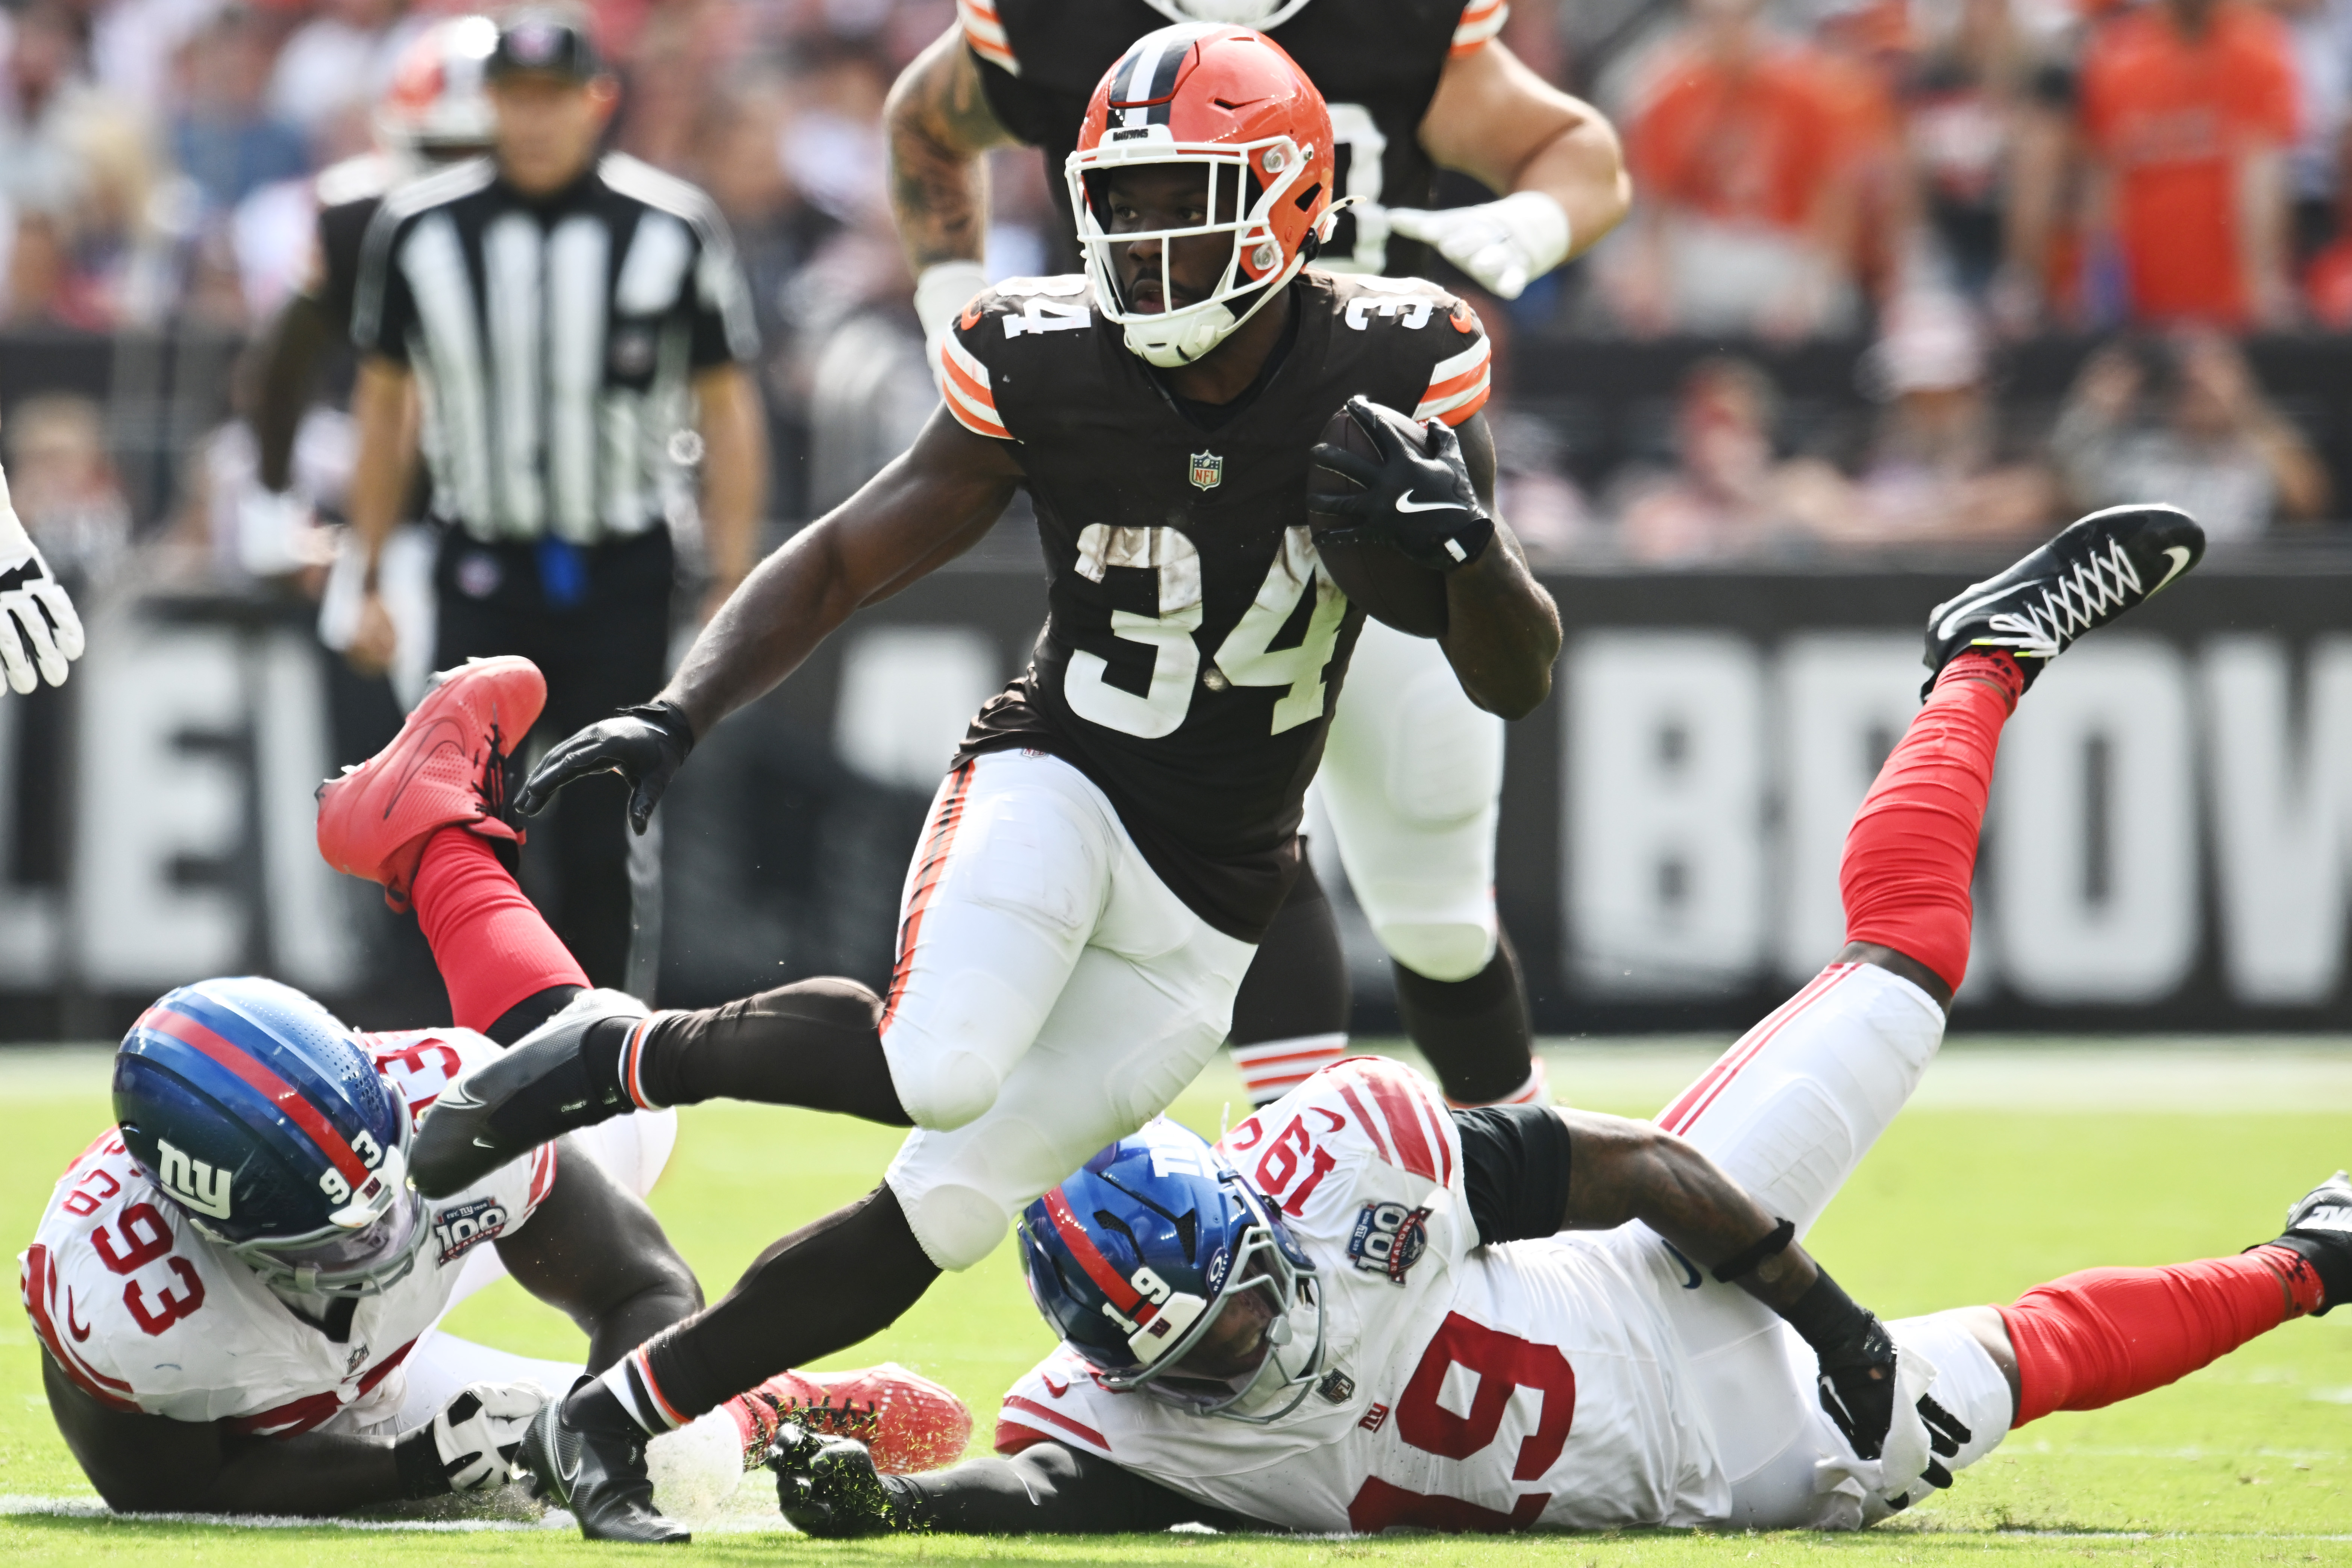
(941, 294)
(28, 588)
(477, 1434)
(1505, 245)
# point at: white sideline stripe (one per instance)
(20, 1504)
(24, 1505)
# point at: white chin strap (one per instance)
(1262, 15)
(1191, 335)
(1181, 337)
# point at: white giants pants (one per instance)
(1051, 996)
(1412, 781)
(1788, 1112)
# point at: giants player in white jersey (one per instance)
(1362, 1310)
(238, 1290)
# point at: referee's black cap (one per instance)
(546, 38)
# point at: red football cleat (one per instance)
(907, 1422)
(442, 768)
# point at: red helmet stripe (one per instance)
(1123, 1296)
(283, 1095)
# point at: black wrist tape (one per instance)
(1746, 1261)
(417, 1460)
(1829, 1320)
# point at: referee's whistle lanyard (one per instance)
(563, 573)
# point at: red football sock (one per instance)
(2106, 1334)
(1913, 846)
(492, 945)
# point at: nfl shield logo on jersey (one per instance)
(1208, 470)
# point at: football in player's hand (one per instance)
(1390, 588)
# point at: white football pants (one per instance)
(1052, 996)
(1412, 781)
(1788, 1112)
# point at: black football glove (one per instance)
(1857, 1387)
(646, 745)
(1946, 1433)
(1857, 1362)
(828, 1486)
(1419, 504)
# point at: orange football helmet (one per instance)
(437, 104)
(1232, 102)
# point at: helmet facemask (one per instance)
(1244, 183)
(1268, 1273)
(367, 1247)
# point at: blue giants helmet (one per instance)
(1136, 1259)
(255, 1110)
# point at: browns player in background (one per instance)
(434, 114)
(1413, 774)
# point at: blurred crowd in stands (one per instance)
(1945, 178)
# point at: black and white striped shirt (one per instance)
(554, 342)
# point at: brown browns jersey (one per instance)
(1376, 62)
(1194, 644)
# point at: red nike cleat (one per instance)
(442, 768)
(908, 1422)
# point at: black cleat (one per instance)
(2319, 1227)
(533, 1094)
(598, 1471)
(2095, 569)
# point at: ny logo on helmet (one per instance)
(200, 1186)
(1208, 470)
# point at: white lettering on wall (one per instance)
(1845, 698)
(2281, 786)
(1665, 834)
(2096, 852)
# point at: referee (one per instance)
(567, 334)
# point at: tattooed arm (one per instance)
(939, 123)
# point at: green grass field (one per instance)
(2018, 1162)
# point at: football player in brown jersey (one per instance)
(1121, 823)
(1411, 775)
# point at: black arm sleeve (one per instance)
(1514, 1164)
(1047, 1489)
